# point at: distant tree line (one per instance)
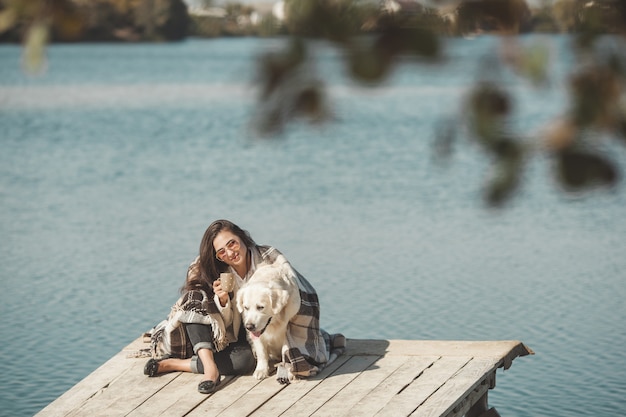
(93, 20)
(169, 20)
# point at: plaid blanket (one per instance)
(310, 348)
(169, 338)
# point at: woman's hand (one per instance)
(221, 294)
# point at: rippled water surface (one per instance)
(114, 162)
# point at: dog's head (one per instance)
(259, 301)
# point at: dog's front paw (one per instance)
(261, 373)
(283, 376)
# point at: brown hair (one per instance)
(210, 266)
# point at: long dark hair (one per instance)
(210, 267)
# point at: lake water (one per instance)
(115, 161)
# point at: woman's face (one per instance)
(230, 249)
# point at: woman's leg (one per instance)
(209, 367)
(201, 338)
(174, 365)
(236, 359)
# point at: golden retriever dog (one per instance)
(267, 302)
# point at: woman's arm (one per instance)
(222, 300)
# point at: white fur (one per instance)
(271, 295)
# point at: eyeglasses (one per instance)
(232, 245)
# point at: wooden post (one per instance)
(481, 409)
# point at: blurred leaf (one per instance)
(615, 64)
(336, 20)
(509, 158)
(34, 57)
(68, 23)
(489, 99)
(369, 64)
(310, 103)
(417, 41)
(275, 67)
(578, 169)
(488, 106)
(560, 134)
(25, 8)
(8, 17)
(501, 188)
(534, 63)
(372, 59)
(289, 89)
(506, 149)
(595, 94)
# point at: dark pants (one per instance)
(236, 359)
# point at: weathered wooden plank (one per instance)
(330, 386)
(360, 386)
(125, 393)
(422, 387)
(176, 398)
(221, 399)
(254, 398)
(296, 391)
(378, 398)
(457, 388)
(506, 349)
(90, 386)
(180, 386)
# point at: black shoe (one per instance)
(207, 387)
(151, 368)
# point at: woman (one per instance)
(225, 247)
(203, 334)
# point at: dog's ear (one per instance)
(279, 299)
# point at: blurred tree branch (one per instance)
(373, 37)
(373, 42)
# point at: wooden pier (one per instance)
(374, 378)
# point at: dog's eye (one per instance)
(246, 308)
(259, 308)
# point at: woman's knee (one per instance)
(200, 336)
(203, 345)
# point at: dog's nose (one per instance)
(250, 326)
